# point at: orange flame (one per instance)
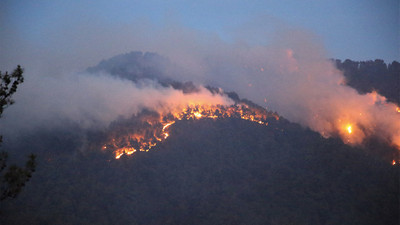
(153, 130)
(349, 129)
(350, 132)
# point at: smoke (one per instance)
(293, 76)
(94, 101)
(290, 73)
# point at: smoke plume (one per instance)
(94, 101)
(291, 74)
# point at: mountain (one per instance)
(364, 76)
(225, 171)
(134, 66)
(208, 171)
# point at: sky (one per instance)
(348, 29)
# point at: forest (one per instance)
(373, 75)
(214, 171)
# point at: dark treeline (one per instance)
(367, 76)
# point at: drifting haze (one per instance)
(94, 101)
(291, 75)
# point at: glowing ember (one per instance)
(398, 109)
(394, 162)
(153, 129)
(125, 150)
(349, 129)
(197, 115)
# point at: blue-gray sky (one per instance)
(354, 29)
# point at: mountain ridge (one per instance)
(208, 171)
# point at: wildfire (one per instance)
(398, 109)
(394, 162)
(350, 132)
(197, 115)
(153, 129)
(167, 125)
(349, 129)
(125, 150)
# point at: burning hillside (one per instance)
(144, 131)
(303, 88)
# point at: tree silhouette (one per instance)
(372, 75)
(13, 177)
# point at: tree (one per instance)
(12, 178)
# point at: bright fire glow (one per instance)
(153, 129)
(197, 115)
(349, 129)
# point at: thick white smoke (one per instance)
(291, 75)
(93, 101)
(294, 77)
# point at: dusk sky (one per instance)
(353, 29)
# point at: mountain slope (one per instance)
(208, 171)
(224, 171)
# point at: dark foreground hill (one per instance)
(225, 171)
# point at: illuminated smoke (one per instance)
(290, 74)
(94, 101)
(293, 76)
